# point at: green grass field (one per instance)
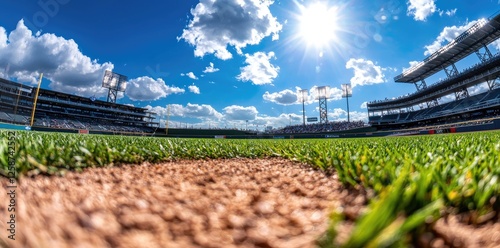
(415, 179)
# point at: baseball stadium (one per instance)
(423, 171)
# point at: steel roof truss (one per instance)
(451, 70)
(493, 84)
(485, 55)
(420, 85)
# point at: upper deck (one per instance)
(478, 35)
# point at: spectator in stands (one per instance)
(320, 127)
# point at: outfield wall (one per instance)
(237, 134)
(480, 126)
(12, 126)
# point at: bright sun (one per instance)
(318, 24)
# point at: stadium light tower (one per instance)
(346, 93)
(323, 95)
(303, 95)
(115, 83)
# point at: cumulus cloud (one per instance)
(211, 68)
(259, 69)
(235, 112)
(289, 97)
(190, 75)
(339, 114)
(478, 89)
(447, 35)
(358, 116)
(203, 111)
(421, 9)
(217, 24)
(336, 114)
(451, 12)
(365, 72)
(412, 63)
(59, 59)
(149, 89)
(285, 97)
(194, 89)
(364, 105)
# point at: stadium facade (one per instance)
(424, 106)
(65, 111)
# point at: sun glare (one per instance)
(318, 24)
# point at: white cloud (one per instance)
(211, 68)
(235, 112)
(339, 114)
(190, 75)
(421, 9)
(451, 12)
(24, 56)
(364, 105)
(447, 35)
(202, 112)
(412, 63)
(289, 97)
(149, 89)
(365, 72)
(259, 69)
(281, 120)
(194, 89)
(336, 113)
(496, 44)
(478, 89)
(285, 97)
(358, 116)
(217, 24)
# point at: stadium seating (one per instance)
(319, 127)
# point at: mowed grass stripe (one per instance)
(414, 178)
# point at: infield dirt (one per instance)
(205, 203)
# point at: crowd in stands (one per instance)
(320, 127)
(89, 125)
(65, 123)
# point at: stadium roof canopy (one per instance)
(468, 78)
(480, 34)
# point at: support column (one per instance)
(484, 56)
(323, 110)
(421, 85)
(493, 83)
(452, 71)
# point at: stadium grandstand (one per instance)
(64, 111)
(332, 126)
(425, 106)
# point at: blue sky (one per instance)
(221, 63)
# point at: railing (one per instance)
(479, 24)
(450, 89)
(446, 80)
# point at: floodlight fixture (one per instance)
(115, 83)
(346, 90)
(323, 92)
